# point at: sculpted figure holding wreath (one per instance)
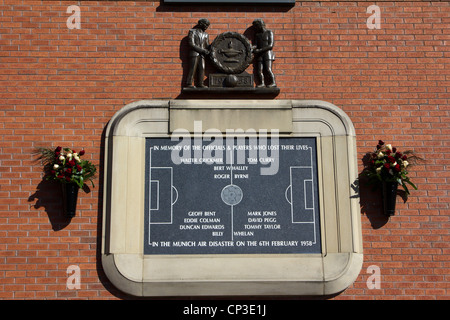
(199, 44)
(264, 55)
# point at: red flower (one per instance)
(404, 157)
(391, 159)
(397, 168)
(79, 168)
(386, 166)
(81, 152)
(68, 171)
(68, 179)
(58, 149)
(380, 142)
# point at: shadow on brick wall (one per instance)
(371, 205)
(370, 200)
(48, 195)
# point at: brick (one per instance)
(58, 84)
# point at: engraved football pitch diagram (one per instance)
(186, 207)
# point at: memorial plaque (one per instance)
(236, 196)
(230, 211)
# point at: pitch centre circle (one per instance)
(231, 194)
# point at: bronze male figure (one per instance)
(264, 55)
(199, 44)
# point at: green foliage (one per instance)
(66, 166)
(388, 164)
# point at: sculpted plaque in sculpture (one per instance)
(231, 52)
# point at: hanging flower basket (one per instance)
(389, 197)
(70, 196)
(66, 166)
(387, 167)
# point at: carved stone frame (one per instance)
(137, 274)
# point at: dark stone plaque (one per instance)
(231, 196)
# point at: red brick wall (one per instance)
(61, 86)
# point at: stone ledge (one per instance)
(316, 275)
(231, 114)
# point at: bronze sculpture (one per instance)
(199, 44)
(264, 55)
(231, 53)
